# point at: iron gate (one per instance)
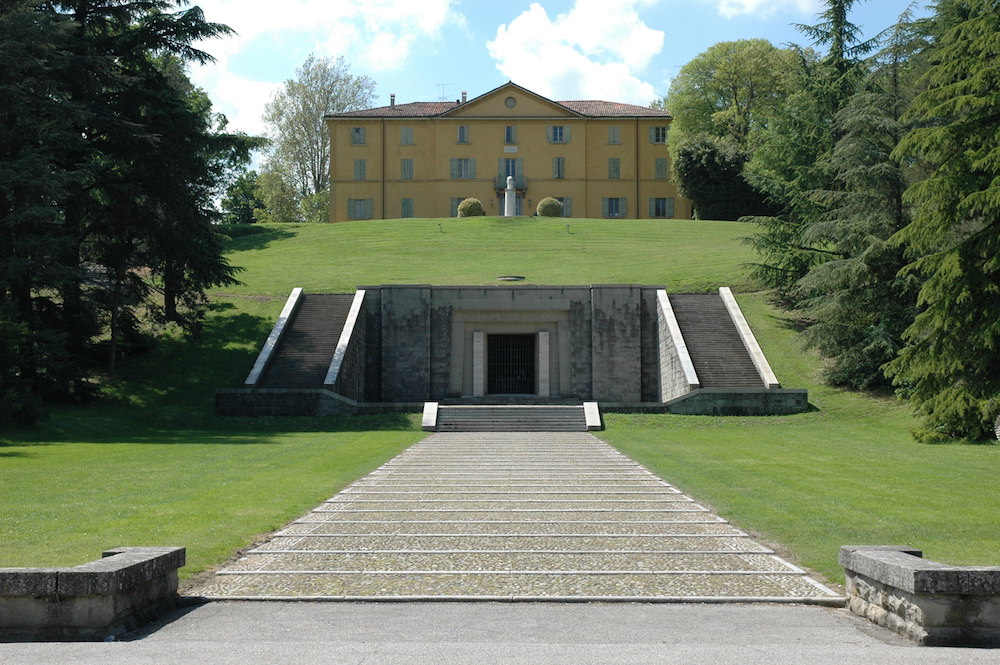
(510, 364)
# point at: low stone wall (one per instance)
(744, 402)
(102, 598)
(931, 603)
(255, 402)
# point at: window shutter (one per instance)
(604, 207)
(472, 168)
(567, 207)
(566, 134)
(454, 168)
(518, 168)
(652, 207)
(624, 207)
(670, 207)
(652, 134)
(661, 168)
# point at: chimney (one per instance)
(464, 96)
(392, 99)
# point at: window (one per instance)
(454, 205)
(661, 207)
(406, 208)
(615, 135)
(662, 169)
(558, 134)
(614, 207)
(658, 134)
(510, 134)
(357, 135)
(406, 135)
(463, 169)
(463, 133)
(360, 169)
(406, 169)
(359, 208)
(567, 205)
(614, 168)
(558, 167)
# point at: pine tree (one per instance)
(950, 364)
(790, 159)
(857, 305)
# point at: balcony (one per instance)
(520, 183)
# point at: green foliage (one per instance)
(792, 152)
(729, 90)
(949, 366)
(471, 208)
(241, 199)
(549, 207)
(858, 304)
(711, 176)
(316, 207)
(111, 162)
(300, 146)
(281, 203)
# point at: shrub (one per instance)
(471, 208)
(549, 207)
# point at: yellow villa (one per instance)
(421, 159)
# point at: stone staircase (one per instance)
(720, 359)
(511, 418)
(303, 356)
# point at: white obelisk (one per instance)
(509, 198)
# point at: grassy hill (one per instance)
(150, 464)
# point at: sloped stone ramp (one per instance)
(514, 516)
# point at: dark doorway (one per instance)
(510, 364)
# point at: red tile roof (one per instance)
(590, 108)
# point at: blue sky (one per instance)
(424, 50)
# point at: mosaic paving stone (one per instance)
(542, 516)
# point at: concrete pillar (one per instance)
(478, 363)
(544, 388)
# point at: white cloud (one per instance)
(733, 8)
(374, 35)
(594, 51)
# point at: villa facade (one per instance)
(421, 159)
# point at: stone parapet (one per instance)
(743, 402)
(102, 598)
(931, 603)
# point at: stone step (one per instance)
(720, 359)
(303, 356)
(482, 561)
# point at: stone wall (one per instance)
(674, 380)
(103, 598)
(746, 402)
(255, 402)
(931, 603)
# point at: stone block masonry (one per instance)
(96, 600)
(931, 603)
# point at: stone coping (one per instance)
(118, 569)
(106, 597)
(904, 568)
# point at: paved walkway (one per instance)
(504, 516)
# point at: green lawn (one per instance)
(151, 465)
(681, 254)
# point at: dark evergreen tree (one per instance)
(241, 199)
(790, 159)
(710, 174)
(857, 303)
(950, 363)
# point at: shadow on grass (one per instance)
(253, 238)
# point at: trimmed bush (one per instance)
(471, 208)
(549, 207)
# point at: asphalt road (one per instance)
(485, 633)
